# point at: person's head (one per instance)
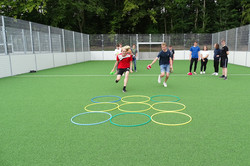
(124, 51)
(223, 42)
(205, 48)
(195, 43)
(216, 46)
(117, 46)
(120, 45)
(170, 47)
(163, 46)
(133, 46)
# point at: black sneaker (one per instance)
(124, 90)
(116, 81)
(225, 78)
(222, 76)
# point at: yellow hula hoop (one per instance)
(134, 103)
(166, 124)
(184, 107)
(148, 99)
(117, 105)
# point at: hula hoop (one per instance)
(168, 110)
(178, 124)
(117, 105)
(134, 103)
(119, 98)
(148, 99)
(130, 125)
(89, 124)
(151, 98)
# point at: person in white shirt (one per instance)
(117, 50)
(204, 60)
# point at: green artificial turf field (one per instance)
(36, 110)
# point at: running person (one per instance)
(172, 55)
(216, 59)
(134, 52)
(124, 62)
(224, 59)
(204, 60)
(165, 62)
(194, 57)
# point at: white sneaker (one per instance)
(216, 74)
(159, 79)
(213, 74)
(201, 72)
(204, 72)
(165, 84)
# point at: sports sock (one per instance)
(116, 81)
(124, 88)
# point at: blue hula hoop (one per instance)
(130, 125)
(151, 98)
(89, 124)
(119, 99)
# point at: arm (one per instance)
(190, 54)
(154, 61)
(136, 54)
(199, 55)
(207, 56)
(171, 63)
(116, 63)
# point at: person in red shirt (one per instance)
(124, 62)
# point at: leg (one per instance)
(191, 65)
(126, 78)
(202, 63)
(167, 76)
(135, 64)
(195, 64)
(118, 77)
(216, 65)
(205, 64)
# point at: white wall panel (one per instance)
(96, 55)
(44, 61)
(71, 57)
(22, 63)
(248, 59)
(240, 58)
(60, 59)
(80, 57)
(4, 66)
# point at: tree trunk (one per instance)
(204, 15)
(196, 19)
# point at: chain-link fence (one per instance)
(23, 37)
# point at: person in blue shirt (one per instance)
(194, 57)
(165, 62)
(216, 59)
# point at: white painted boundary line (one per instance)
(139, 75)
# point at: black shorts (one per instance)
(121, 71)
(223, 62)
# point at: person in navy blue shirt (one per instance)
(216, 59)
(165, 62)
(194, 57)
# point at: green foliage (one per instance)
(132, 16)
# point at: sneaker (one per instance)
(159, 79)
(225, 78)
(222, 76)
(124, 90)
(213, 73)
(165, 84)
(204, 72)
(201, 72)
(216, 74)
(195, 73)
(189, 73)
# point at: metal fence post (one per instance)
(163, 37)
(212, 41)
(5, 44)
(50, 45)
(39, 42)
(12, 44)
(82, 47)
(74, 45)
(226, 35)
(32, 44)
(236, 43)
(248, 44)
(137, 46)
(218, 37)
(24, 41)
(64, 50)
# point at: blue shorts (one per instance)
(165, 68)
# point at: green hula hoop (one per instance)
(166, 124)
(127, 103)
(151, 98)
(130, 125)
(184, 107)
